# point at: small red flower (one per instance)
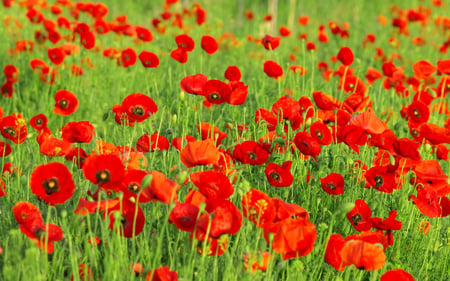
(106, 170)
(161, 189)
(209, 44)
(381, 179)
(5, 149)
(7, 89)
(418, 112)
(184, 216)
(39, 122)
(129, 221)
(216, 91)
(272, 69)
(233, 73)
(193, 84)
(212, 184)
(199, 153)
(127, 57)
(154, 142)
(180, 55)
(423, 69)
(77, 132)
(238, 94)
(321, 133)
(250, 152)
(149, 59)
(139, 106)
(87, 40)
(345, 56)
(333, 184)
(13, 127)
(52, 183)
(307, 144)
(396, 275)
(185, 42)
(162, 273)
(11, 73)
(56, 55)
(144, 34)
(66, 103)
(270, 43)
(279, 176)
(360, 216)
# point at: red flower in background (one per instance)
(77, 132)
(208, 131)
(7, 90)
(106, 170)
(232, 73)
(139, 106)
(144, 34)
(161, 189)
(321, 133)
(152, 143)
(199, 153)
(184, 216)
(333, 184)
(39, 122)
(258, 208)
(11, 73)
(345, 56)
(307, 144)
(381, 179)
(66, 103)
(87, 40)
(13, 127)
(363, 255)
(149, 59)
(129, 221)
(423, 69)
(5, 149)
(396, 275)
(360, 216)
(418, 112)
(56, 55)
(185, 42)
(209, 44)
(250, 152)
(223, 218)
(162, 273)
(270, 43)
(216, 91)
(193, 84)
(212, 184)
(52, 183)
(279, 176)
(179, 55)
(272, 69)
(127, 57)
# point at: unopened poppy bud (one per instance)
(391, 159)
(347, 207)
(182, 96)
(174, 118)
(181, 178)
(146, 181)
(427, 147)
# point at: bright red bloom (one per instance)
(11, 73)
(279, 176)
(106, 170)
(161, 189)
(396, 275)
(13, 127)
(258, 208)
(51, 146)
(152, 143)
(333, 184)
(270, 43)
(179, 55)
(387, 225)
(250, 152)
(288, 112)
(180, 142)
(216, 91)
(144, 34)
(193, 84)
(418, 112)
(184, 216)
(52, 183)
(381, 179)
(353, 136)
(307, 144)
(369, 122)
(139, 106)
(185, 42)
(407, 148)
(162, 274)
(128, 57)
(209, 44)
(121, 117)
(321, 133)
(87, 40)
(423, 69)
(5, 149)
(324, 101)
(208, 131)
(429, 204)
(77, 132)
(130, 221)
(360, 216)
(233, 73)
(332, 253)
(56, 55)
(223, 218)
(149, 59)
(212, 184)
(7, 90)
(434, 133)
(199, 153)
(238, 93)
(363, 255)
(345, 56)
(66, 103)
(272, 69)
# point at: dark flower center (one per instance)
(134, 187)
(39, 232)
(287, 122)
(214, 96)
(50, 185)
(357, 218)
(138, 110)
(63, 103)
(103, 176)
(414, 132)
(331, 185)
(38, 121)
(10, 131)
(379, 181)
(252, 155)
(416, 113)
(275, 175)
(319, 134)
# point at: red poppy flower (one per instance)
(250, 152)
(193, 84)
(209, 44)
(258, 208)
(345, 56)
(288, 112)
(381, 179)
(161, 189)
(332, 253)
(184, 216)
(333, 184)
(257, 261)
(5, 149)
(216, 91)
(106, 170)
(372, 75)
(232, 73)
(185, 42)
(13, 127)
(238, 93)
(127, 57)
(31, 224)
(423, 69)
(269, 119)
(360, 216)
(139, 106)
(294, 237)
(129, 221)
(144, 34)
(77, 132)
(307, 144)
(321, 133)
(87, 40)
(121, 117)
(131, 185)
(51, 146)
(279, 176)
(148, 59)
(270, 43)
(56, 55)
(272, 69)
(180, 142)
(388, 225)
(199, 153)
(407, 148)
(52, 183)
(434, 133)
(325, 102)
(152, 143)
(223, 218)
(353, 136)
(7, 90)
(418, 112)
(180, 55)
(76, 155)
(363, 255)
(396, 275)
(11, 73)
(162, 273)
(212, 184)
(208, 131)
(429, 204)
(66, 103)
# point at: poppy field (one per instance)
(224, 140)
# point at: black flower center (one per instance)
(138, 110)
(63, 103)
(50, 185)
(10, 131)
(39, 232)
(214, 96)
(357, 218)
(379, 181)
(331, 185)
(416, 112)
(414, 132)
(38, 121)
(275, 175)
(103, 176)
(252, 155)
(319, 134)
(287, 122)
(134, 187)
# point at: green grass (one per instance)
(425, 256)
